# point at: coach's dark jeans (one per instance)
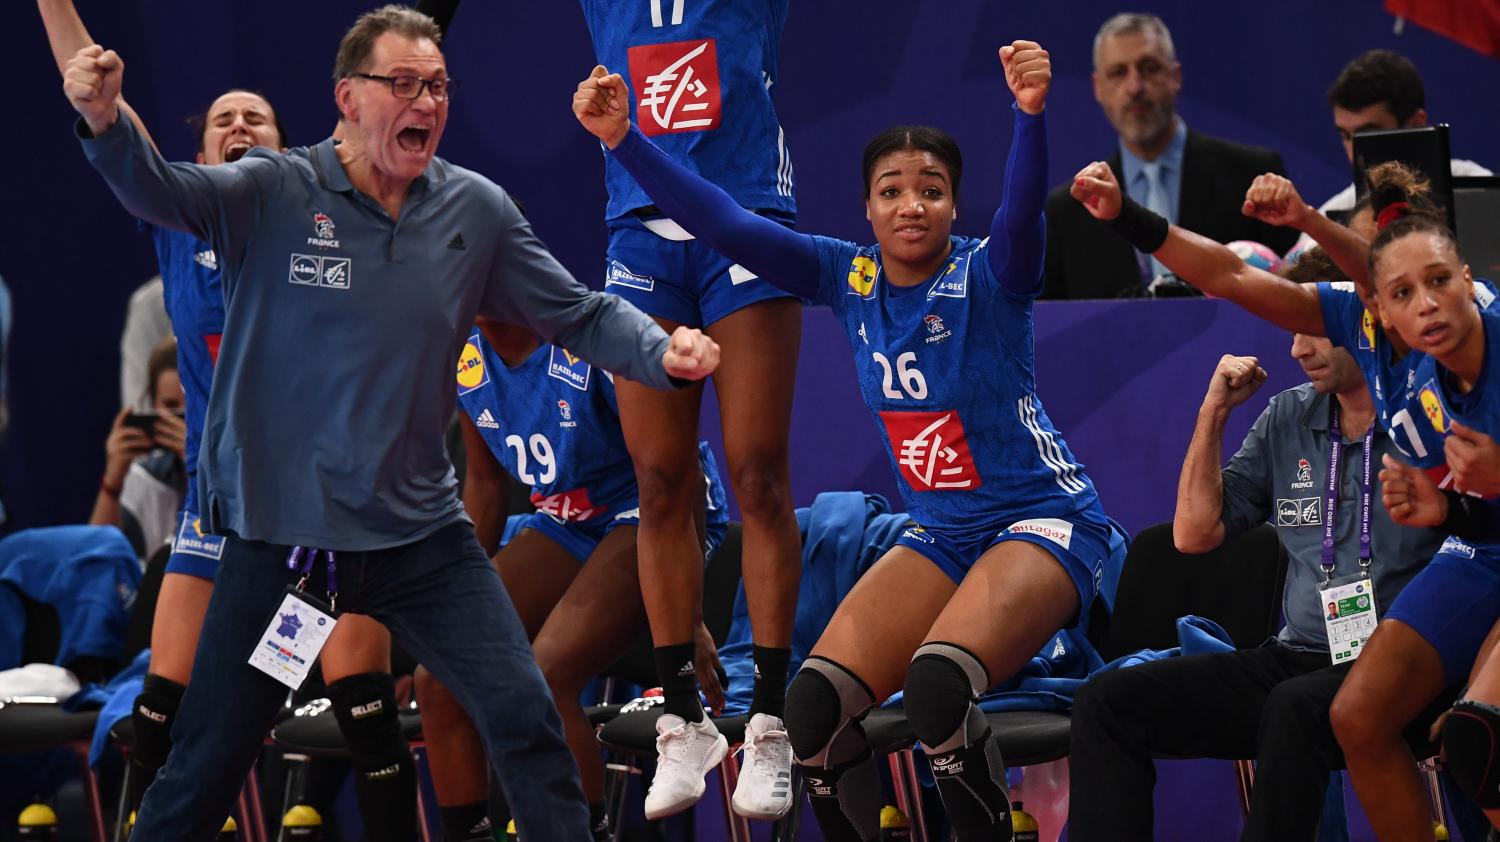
(440, 598)
(1268, 704)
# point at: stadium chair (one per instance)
(1157, 585)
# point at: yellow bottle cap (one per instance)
(892, 817)
(301, 815)
(37, 815)
(1440, 831)
(229, 826)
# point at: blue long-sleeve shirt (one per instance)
(343, 328)
(790, 260)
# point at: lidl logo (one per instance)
(1433, 406)
(471, 371)
(862, 276)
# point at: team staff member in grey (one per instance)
(1269, 703)
(351, 275)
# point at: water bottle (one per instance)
(37, 822)
(1022, 824)
(893, 824)
(301, 823)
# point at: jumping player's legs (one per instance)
(861, 659)
(357, 669)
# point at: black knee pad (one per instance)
(1471, 740)
(152, 716)
(941, 686)
(365, 705)
(823, 705)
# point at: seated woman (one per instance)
(1011, 537)
(551, 420)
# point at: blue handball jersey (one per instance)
(946, 367)
(1395, 383)
(553, 423)
(192, 288)
(700, 74)
(1436, 402)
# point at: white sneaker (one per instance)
(684, 754)
(765, 787)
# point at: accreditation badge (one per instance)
(1349, 615)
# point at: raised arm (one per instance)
(1198, 523)
(1274, 200)
(201, 200)
(67, 35)
(1202, 262)
(1018, 229)
(774, 252)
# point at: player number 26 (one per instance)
(912, 380)
(541, 451)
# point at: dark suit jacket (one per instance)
(1087, 260)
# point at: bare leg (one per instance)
(1397, 675)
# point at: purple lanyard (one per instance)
(295, 561)
(1331, 497)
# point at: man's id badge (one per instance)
(291, 643)
(1349, 615)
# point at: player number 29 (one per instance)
(541, 451)
(912, 380)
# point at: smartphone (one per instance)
(143, 421)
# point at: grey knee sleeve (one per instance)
(823, 707)
(941, 686)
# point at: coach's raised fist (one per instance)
(691, 355)
(92, 84)
(1028, 72)
(600, 104)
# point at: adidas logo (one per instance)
(457, 243)
(483, 827)
(486, 420)
(686, 669)
(207, 259)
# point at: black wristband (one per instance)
(1143, 228)
(1465, 520)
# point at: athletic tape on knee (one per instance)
(152, 716)
(941, 685)
(823, 708)
(1471, 748)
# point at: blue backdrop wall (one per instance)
(1255, 72)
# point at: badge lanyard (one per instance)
(294, 561)
(1331, 497)
(290, 645)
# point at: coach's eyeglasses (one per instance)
(411, 87)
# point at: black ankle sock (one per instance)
(599, 821)
(468, 822)
(972, 782)
(770, 679)
(679, 680)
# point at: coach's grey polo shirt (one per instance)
(336, 374)
(1280, 474)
